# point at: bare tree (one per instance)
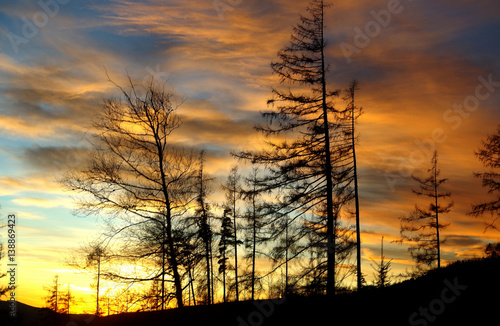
(287, 235)
(256, 218)
(233, 194)
(90, 258)
(352, 112)
(94, 256)
(136, 174)
(489, 155)
(203, 216)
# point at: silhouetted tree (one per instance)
(233, 194)
(136, 174)
(255, 217)
(382, 269)
(287, 235)
(89, 258)
(144, 246)
(489, 155)
(126, 298)
(302, 167)
(421, 229)
(226, 240)
(492, 250)
(203, 221)
(312, 279)
(352, 112)
(95, 255)
(152, 295)
(52, 298)
(66, 299)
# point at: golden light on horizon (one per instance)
(429, 81)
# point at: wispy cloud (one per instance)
(426, 60)
(43, 202)
(30, 216)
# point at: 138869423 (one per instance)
(11, 233)
(11, 264)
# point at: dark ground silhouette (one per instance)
(463, 293)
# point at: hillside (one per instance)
(460, 294)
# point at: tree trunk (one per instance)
(173, 263)
(205, 228)
(224, 278)
(286, 255)
(206, 236)
(98, 280)
(57, 281)
(330, 223)
(254, 242)
(207, 259)
(437, 214)
(212, 273)
(170, 241)
(235, 243)
(163, 256)
(356, 194)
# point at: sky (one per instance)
(428, 71)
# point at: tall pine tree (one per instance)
(203, 221)
(225, 242)
(301, 166)
(422, 229)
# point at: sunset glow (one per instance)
(429, 78)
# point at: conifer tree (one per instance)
(382, 269)
(53, 295)
(352, 112)
(489, 155)
(66, 299)
(225, 242)
(203, 221)
(422, 229)
(302, 167)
